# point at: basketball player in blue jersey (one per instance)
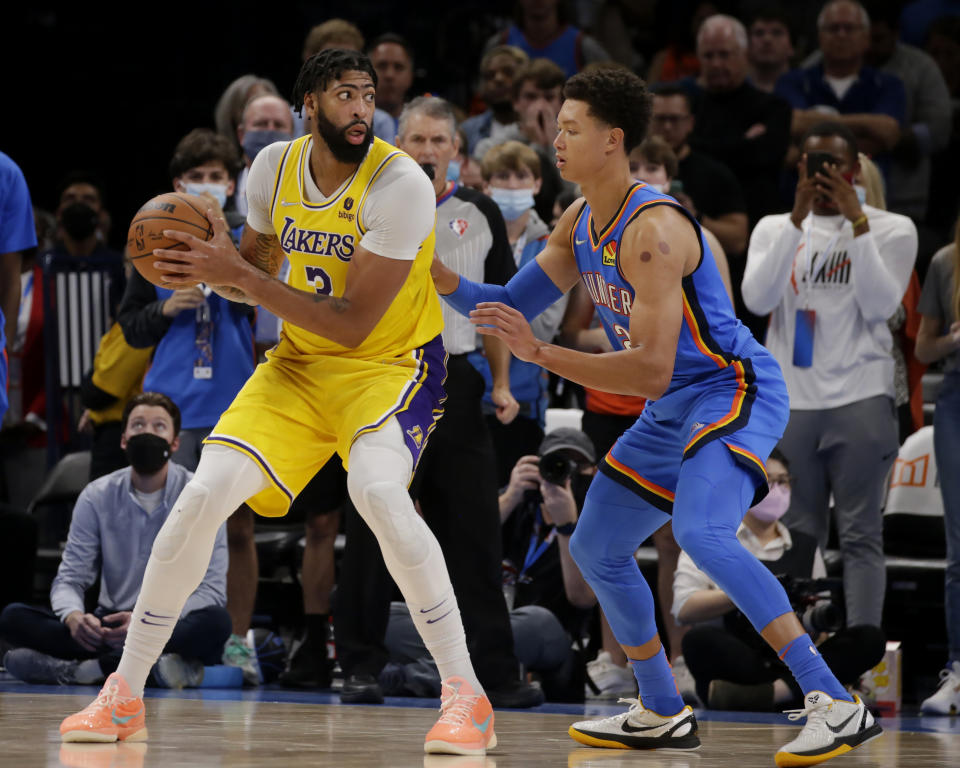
(717, 405)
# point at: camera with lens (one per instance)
(818, 602)
(556, 467)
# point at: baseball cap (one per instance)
(569, 439)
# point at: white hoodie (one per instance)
(854, 289)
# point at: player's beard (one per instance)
(335, 138)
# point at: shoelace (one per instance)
(635, 706)
(458, 708)
(815, 713)
(108, 698)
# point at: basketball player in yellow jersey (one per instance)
(358, 371)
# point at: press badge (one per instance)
(803, 338)
(203, 344)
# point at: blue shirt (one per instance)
(112, 535)
(17, 233)
(874, 92)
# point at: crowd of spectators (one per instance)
(812, 144)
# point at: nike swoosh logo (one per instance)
(482, 727)
(153, 623)
(286, 204)
(579, 242)
(627, 728)
(127, 719)
(434, 621)
(156, 615)
(838, 728)
(427, 610)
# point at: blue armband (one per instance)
(530, 291)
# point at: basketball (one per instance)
(172, 210)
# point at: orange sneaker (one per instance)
(465, 726)
(115, 715)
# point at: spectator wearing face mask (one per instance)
(733, 668)
(511, 176)
(266, 119)
(204, 343)
(115, 522)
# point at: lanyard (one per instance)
(534, 551)
(811, 260)
(519, 246)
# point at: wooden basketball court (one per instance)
(214, 731)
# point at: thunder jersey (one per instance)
(319, 240)
(711, 341)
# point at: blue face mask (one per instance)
(861, 193)
(254, 141)
(217, 191)
(453, 171)
(513, 202)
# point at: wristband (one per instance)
(566, 529)
(857, 222)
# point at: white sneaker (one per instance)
(946, 701)
(609, 680)
(639, 728)
(685, 683)
(833, 728)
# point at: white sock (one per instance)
(380, 467)
(225, 478)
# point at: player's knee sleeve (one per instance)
(380, 467)
(187, 511)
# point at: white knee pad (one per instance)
(175, 532)
(380, 467)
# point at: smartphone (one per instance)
(816, 162)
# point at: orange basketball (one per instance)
(172, 210)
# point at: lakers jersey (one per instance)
(712, 340)
(319, 240)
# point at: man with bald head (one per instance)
(265, 119)
(840, 87)
(740, 126)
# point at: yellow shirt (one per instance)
(320, 240)
(118, 370)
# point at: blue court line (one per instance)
(905, 722)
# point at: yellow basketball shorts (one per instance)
(296, 411)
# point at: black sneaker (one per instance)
(31, 666)
(361, 689)
(515, 694)
(308, 667)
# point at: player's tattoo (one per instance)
(229, 292)
(266, 256)
(337, 303)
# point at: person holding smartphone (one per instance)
(831, 272)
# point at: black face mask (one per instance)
(79, 220)
(147, 453)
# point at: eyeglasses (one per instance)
(783, 480)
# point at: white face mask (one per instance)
(861, 193)
(513, 203)
(217, 191)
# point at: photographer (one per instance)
(733, 667)
(547, 596)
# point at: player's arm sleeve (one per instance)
(530, 292)
(141, 315)
(881, 269)
(260, 183)
(769, 263)
(399, 213)
(80, 561)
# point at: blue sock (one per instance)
(810, 670)
(658, 689)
